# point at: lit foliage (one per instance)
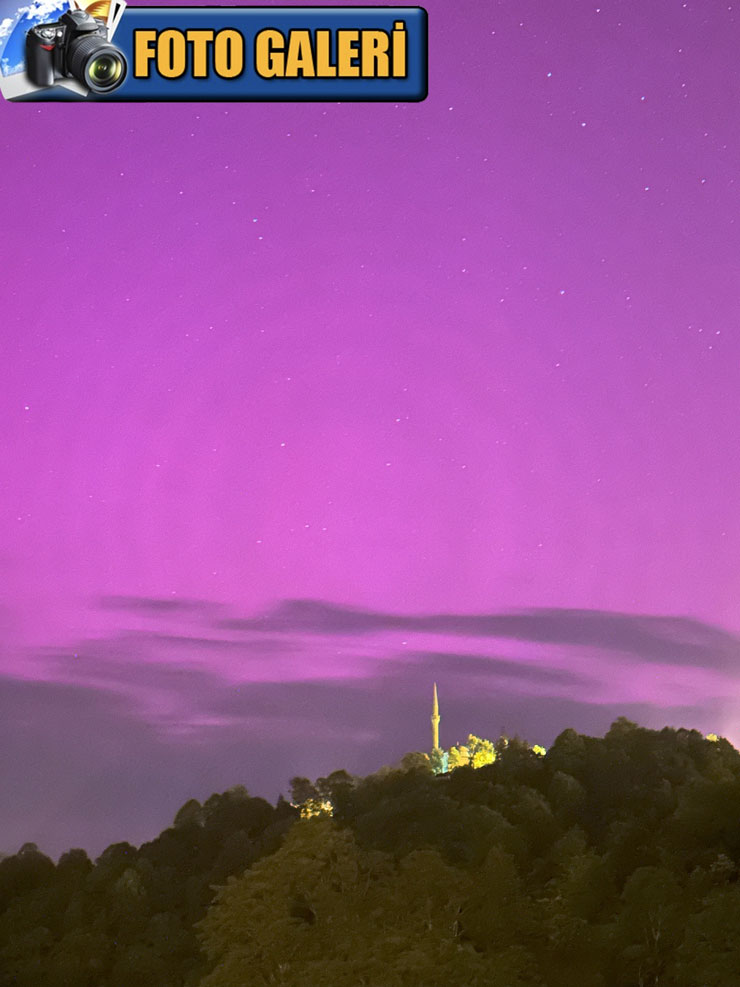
(439, 761)
(476, 752)
(318, 799)
(316, 807)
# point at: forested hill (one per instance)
(606, 862)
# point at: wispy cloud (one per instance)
(651, 638)
(157, 606)
(175, 667)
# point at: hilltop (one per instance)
(606, 861)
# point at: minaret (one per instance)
(435, 720)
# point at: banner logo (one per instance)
(106, 50)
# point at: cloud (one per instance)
(157, 606)
(257, 645)
(193, 685)
(449, 663)
(318, 617)
(34, 13)
(8, 69)
(651, 638)
(172, 678)
(40, 8)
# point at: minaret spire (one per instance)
(435, 720)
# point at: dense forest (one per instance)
(608, 862)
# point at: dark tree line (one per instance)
(128, 919)
(608, 861)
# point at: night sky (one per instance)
(305, 406)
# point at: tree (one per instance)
(191, 814)
(567, 797)
(498, 912)
(323, 911)
(301, 790)
(81, 958)
(416, 761)
(650, 925)
(709, 952)
(481, 752)
(25, 870)
(74, 864)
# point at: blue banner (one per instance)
(257, 54)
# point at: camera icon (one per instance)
(74, 47)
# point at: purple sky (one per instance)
(464, 357)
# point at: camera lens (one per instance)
(96, 63)
(105, 69)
